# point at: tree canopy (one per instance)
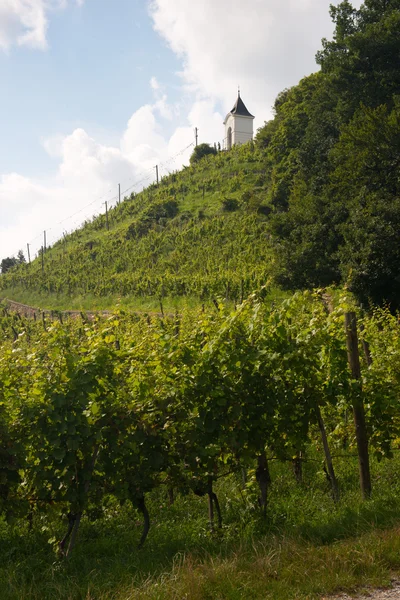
(333, 157)
(200, 151)
(7, 264)
(10, 262)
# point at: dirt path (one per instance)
(31, 312)
(392, 593)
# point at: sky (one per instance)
(95, 93)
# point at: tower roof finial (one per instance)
(239, 91)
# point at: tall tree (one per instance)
(7, 264)
(332, 152)
(367, 160)
(362, 59)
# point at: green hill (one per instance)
(200, 233)
(314, 201)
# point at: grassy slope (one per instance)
(307, 547)
(174, 241)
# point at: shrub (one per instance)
(230, 204)
(200, 151)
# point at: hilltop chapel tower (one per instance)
(238, 125)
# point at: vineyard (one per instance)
(238, 436)
(202, 232)
(108, 412)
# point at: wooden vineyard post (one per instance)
(107, 223)
(263, 478)
(365, 345)
(358, 404)
(328, 456)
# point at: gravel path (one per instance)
(392, 593)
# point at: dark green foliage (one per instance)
(366, 176)
(370, 256)
(362, 60)
(7, 264)
(230, 204)
(333, 158)
(10, 262)
(201, 151)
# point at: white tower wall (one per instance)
(238, 125)
(242, 130)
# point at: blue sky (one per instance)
(94, 75)
(97, 92)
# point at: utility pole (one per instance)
(196, 134)
(107, 223)
(119, 193)
(44, 241)
(156, 168)
(29, 254)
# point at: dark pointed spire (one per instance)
(240, 108)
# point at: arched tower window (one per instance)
(229, 138)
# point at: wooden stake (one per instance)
(107, 224)
(366, 348)
(358, 404)
(328, 456)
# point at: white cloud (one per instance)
(25, 22)
(208, 122)
(53, 145)
(88, 172)
(142, 141)
(261, 45)
(154, 84)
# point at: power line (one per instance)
(150, 175)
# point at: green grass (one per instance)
(305, 548)
(175, 240)
(90, 302)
